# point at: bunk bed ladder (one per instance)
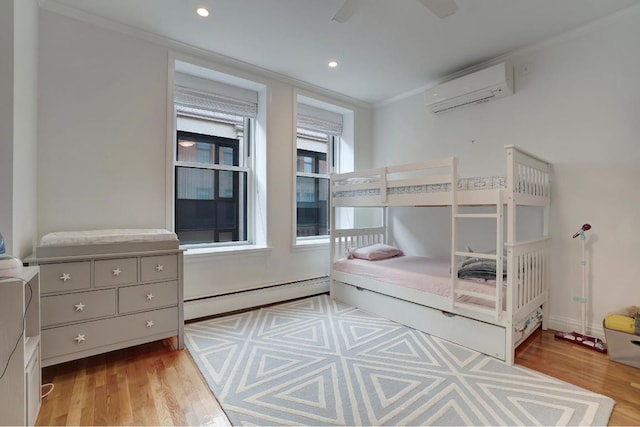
(496, 298)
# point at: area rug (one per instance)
(316, 361)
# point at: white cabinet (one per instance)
(106, 297)
(20, 385)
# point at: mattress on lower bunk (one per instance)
(65, 243)
(464, 184)
(430, 275)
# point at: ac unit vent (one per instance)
(482, 86)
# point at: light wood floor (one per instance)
(153, 384)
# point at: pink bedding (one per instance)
(431, 275)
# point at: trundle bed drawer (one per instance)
(477, 335)
(66, 308)
(146, 297)
(66, 276)
(99, 333)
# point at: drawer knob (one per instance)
(116, 271)
(150, 323)
(79, 338)
(80, 306)
(65, 277)
(150, 296)
(159, 267)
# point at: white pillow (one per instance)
(375, 252)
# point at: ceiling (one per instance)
(386, 48)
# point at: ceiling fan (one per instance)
(440, 8)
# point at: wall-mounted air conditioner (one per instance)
(481, 86)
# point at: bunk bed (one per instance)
(492, 316)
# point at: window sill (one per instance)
(194, 253)
(312, 243)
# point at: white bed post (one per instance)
(545, 231)
(385, 224)
(454, 235)
(512, 290)
(332, 242)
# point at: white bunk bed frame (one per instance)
(516, 298)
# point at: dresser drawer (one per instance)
(98, 333)
(78, 306)
(66, 276)
(112, 272)
(163, 267)
(146, 297)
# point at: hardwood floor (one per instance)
(153, 384)
(150, 384)
(585, 368)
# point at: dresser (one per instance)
(106, 296)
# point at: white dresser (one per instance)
(102, 297)
(20, 389)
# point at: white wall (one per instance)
(103, 155)
(577, 107)
(18, 124)
(6, 122)
(25, 127)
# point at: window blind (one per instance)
(201, 104)
(319, 120)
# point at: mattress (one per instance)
(97, 242)
(99, 237)
(430, 275)
(464, 184)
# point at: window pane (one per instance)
(195, 184)
(312, 206)
(227, 156)
(226, 184)
(206, 212)
(198, 148)
(322, 165)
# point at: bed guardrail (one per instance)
(527, 175)
(373, 187)
(344, 239)
(527, 274)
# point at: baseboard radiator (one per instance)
(220, 304)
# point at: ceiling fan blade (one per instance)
(440, 8)
(347, 10)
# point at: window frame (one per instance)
(242, 200)
(332, 142)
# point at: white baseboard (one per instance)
(565, 324)
(254, 298)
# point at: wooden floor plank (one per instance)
(153, 384)
(587, 369)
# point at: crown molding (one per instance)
(575, 33)
(186, 48)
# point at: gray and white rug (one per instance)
(320, 362)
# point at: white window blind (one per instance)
(200, 104)
(319, 120)
(198, 97)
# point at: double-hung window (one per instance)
(318, 135)
(212, 165)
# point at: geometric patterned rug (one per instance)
(317, 361)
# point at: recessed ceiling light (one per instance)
(332, 64)
(202, 11)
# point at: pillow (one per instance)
(374, 252)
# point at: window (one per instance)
(213, 175)
(318, 136)
(211, 189)
(312, 186)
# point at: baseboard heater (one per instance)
(225, 303)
